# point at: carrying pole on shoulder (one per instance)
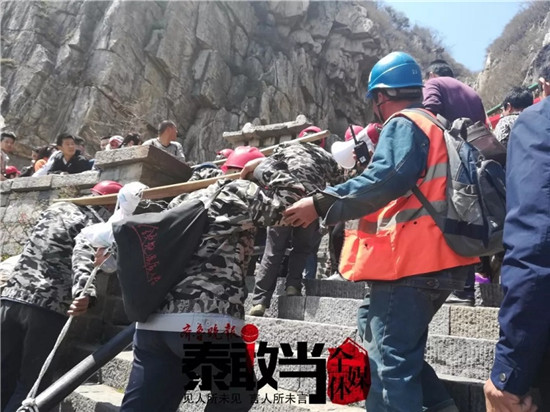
(162, 192)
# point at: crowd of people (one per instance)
(68, 154)
(285, 201)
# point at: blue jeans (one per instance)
(394, 320)
(160, 373)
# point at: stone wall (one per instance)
(23, 199)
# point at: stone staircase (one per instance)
(460, 348)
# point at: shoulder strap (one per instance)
(439, 220)
(440, 121)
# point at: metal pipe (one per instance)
(65, 385)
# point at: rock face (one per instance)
(516, 57)
(99, 68)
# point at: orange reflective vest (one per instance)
(402, 239)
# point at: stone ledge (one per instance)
(283, 131)
(5, 185)
(82, 180)
(28, 184)
(148, 164)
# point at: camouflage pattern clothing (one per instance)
(308, 163)
(504, 127)
(214, 279)
(55, 264)
(201, 173)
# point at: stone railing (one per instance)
(23, 199)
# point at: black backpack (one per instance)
(476, 194)
(153, 250)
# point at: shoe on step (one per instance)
(257, 310)
(293, 291)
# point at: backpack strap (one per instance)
(440, 121)
(443, 124)
(428, 206)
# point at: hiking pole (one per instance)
(30, 401)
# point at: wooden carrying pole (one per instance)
(162, 192)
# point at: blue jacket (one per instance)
(398, 162)
(524, 315)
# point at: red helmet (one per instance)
(312, 130)
(224, 153)
(106, 187)
(356, 130)
(11, 170)
(241, 156)
(309, 130)
(373, 131)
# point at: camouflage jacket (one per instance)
(205, 173)
(214, 280)
(309, 164)
(55, 264)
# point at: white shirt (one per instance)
(174, 148)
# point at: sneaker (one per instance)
(293, 291)
(455, 300)
(257, 310)
(336, 276)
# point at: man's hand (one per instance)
(101, 256)
(302, 213)
(502, 401)
(250, 166)
(79, 306)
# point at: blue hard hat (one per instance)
(396, 70)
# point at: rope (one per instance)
(29, 404)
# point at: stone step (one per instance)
(92, 398)
(473, 322)
(461, 357)
(452, 355)
(467, 393)
(318, 287)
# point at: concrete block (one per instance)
(440, 324)
(32, 183)
(467, 393)
(131, 173)
(116, 372)
(2, 210)
(93, 398)
(5, 186)
(82, 180)
(110, 174)
(169, 170)
(461, 357)
(474, 322)
(4, 200)
(291, 307)
(335, 288)
(488, 294)
(275, 331)
(337, 311)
